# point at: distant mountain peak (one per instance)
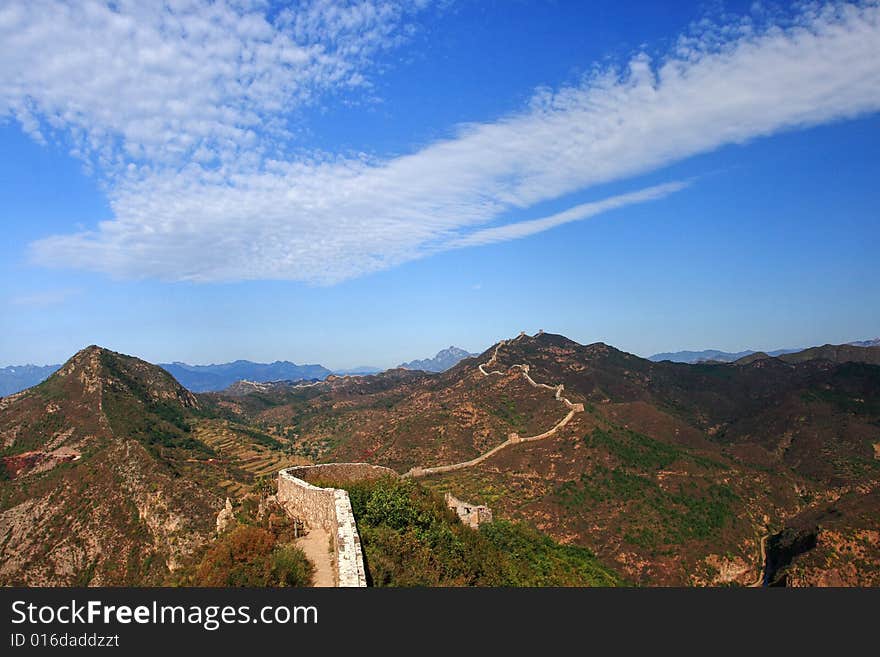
(444, 359)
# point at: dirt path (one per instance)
(763, 563)
(316, 546)
(513, 439)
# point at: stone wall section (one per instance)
(329, 508)
(512, 439)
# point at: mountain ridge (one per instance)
(672, 474)
(687, 356)
(442, 361)
(95, 461)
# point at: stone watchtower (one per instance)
(472, 515)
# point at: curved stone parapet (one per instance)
(329, 508)
(335, 474)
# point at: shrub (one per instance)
(410, 538)
(249, 556)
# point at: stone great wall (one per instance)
(512, 439)
(330, 508)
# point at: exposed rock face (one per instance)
(226, 517)
(727, 570)
(785, 547)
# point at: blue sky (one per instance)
(368, 182)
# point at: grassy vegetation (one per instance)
(410, 538)
(843, 401)
(637, 451)
(258, 550)
(259, 437)
(133, 412)
(634, 449)
(507, 412)
(655, 516)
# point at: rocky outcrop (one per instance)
(783, 548)
(226, 517)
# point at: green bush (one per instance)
(290, 567)
(410, 538)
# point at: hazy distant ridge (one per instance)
(730, 356)
(18, 377)
(197, 378)
(207, 378)
(213, 378)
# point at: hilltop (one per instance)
(196, 378)
(94, 458)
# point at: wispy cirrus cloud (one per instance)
(521, 229)
(324, 220)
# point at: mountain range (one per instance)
(19, 377)
(444, 359)
(212, 378)
(197, 378)
(730, 356)
(205, 378)
(762, 470)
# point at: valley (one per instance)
(669, 473)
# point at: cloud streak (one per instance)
(580, 212)
(325, 220)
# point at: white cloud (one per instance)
(163, 83)
(580, 212)
(328, 220)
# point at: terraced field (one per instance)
(256, 455)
